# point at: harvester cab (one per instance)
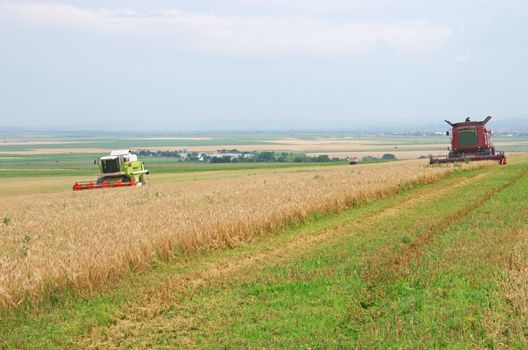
(470, 141)
(119, 169)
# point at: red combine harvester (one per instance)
(470, 141)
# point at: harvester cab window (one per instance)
(467, 138)
(110, 166)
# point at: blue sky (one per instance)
(260, 64)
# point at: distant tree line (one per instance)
(386, 156)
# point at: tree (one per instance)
(193, 156)
(266, 157)
(284, 157)
(301, 158)
(388, 156)
(369, 158)
(322, 158)
(223, 159)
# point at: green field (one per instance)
(434, 266)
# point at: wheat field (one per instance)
(83, 240)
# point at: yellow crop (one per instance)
(86, 239)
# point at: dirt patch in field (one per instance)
(381, 142)
(57, 151)
(35, 142)
(173, 138)
(329, 140)
(511, 143)
(398, 154)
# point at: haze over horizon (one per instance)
(259, 64)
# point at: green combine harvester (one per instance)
(120, 169)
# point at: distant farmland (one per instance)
(73, 156)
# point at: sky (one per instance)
(260, 64)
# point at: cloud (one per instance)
(66, 15)
(246, 35)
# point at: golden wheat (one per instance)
(83, 240)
